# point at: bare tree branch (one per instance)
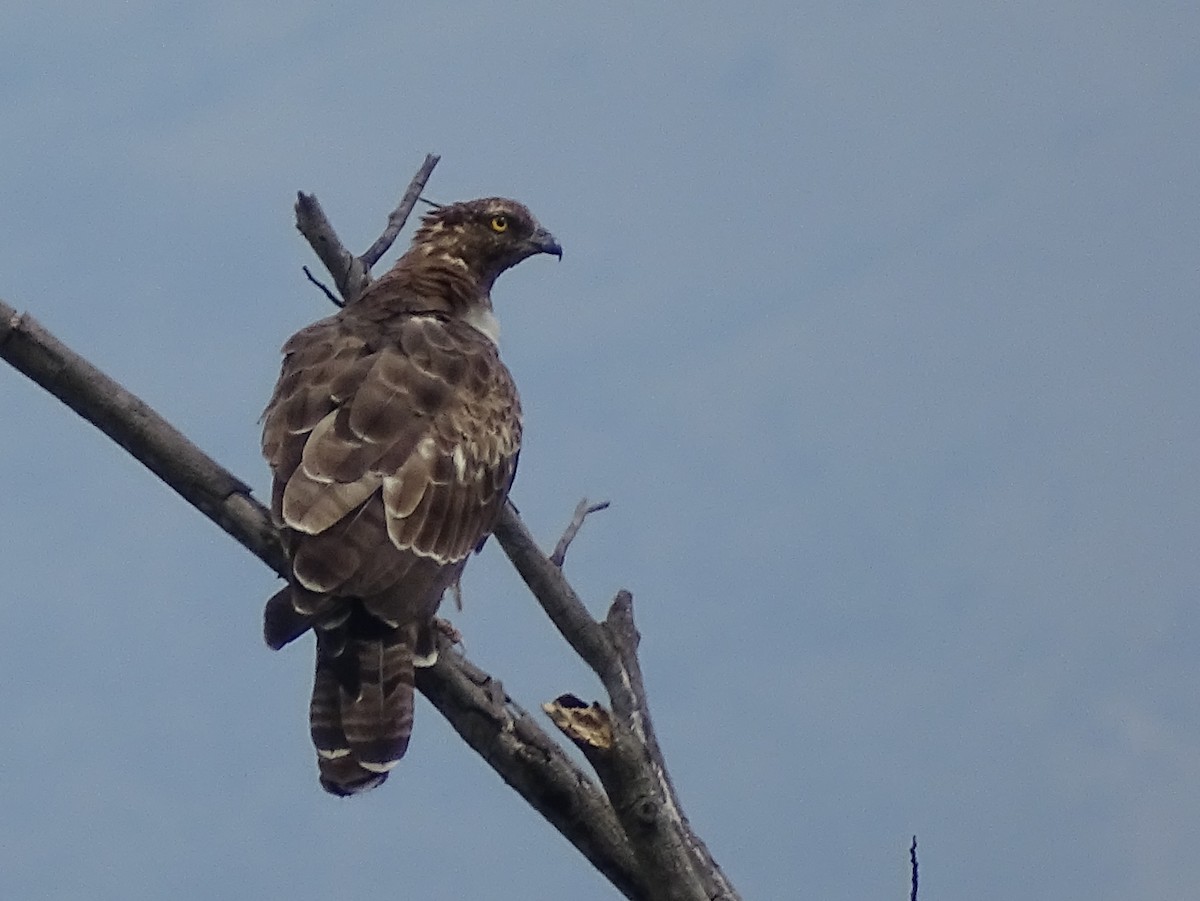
(593, 641)
(532, 764)
(632, 708)
(582, 511)
(618, 757)
(553, 591)
(352, 274)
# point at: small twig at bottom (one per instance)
(582, 511)
(912, 856)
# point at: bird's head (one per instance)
(484, 237)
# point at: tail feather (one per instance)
(361, 712)
(282, 622)
(325, 712)
(342, 776)
(378, 718)
(293, 610)
(339, 770)
(425, 652)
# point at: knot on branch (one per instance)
(646, 810)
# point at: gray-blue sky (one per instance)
(878, 325)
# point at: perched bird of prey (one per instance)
(393, 436)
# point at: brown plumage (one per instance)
(393, 436)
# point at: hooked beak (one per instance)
(544, 242)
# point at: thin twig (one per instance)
(333, 298)
(400, 214)
(582, 511)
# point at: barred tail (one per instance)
(361, 713)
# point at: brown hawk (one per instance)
(393, 436)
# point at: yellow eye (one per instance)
(499, 223)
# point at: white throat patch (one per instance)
(484, 320)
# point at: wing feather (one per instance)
(391, 457)
(402, 492)
(312, 506)
(333, 453)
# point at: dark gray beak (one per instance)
(545, 242)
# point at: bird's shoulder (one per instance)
(390, 382)
(337, 354)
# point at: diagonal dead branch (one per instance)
(582, 511)
(500, 727)
(131, 423)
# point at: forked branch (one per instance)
(352, 274)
